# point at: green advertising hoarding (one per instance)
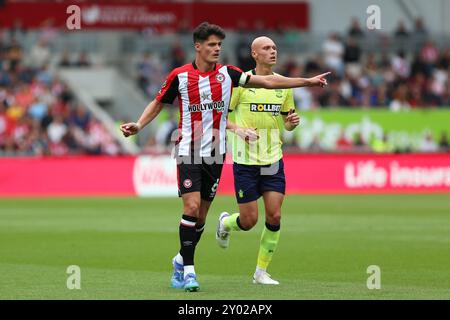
(404, 130)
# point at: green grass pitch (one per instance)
(124, 248)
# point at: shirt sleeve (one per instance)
(288, 103)
(238, 77)
(169, 89)
(235, 99)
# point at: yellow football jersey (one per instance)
(259, 109)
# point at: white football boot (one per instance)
(263, 278)
(222, 235)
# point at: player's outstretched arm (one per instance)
(280, 82)
(150, 112)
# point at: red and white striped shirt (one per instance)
(204, 98)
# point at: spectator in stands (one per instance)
(401, 65)
(303, 97)
(316, 145)
(382, 145)
(313, 65)
(243, 56)
(31, 97)
(44, 75)
(444, 145)
(418, 83)
(38, 109)
(49, 32)
(419, 65)
(65, 60)
(446, 96)
(40, 54)
(4, 125)
(382, 98)
(17, 31)
(166, 130)
(419, 27)
(23, 95)
(38, 142)
(145, 68)
(21, 132)
(429, 56)
(401, 31)
(99, 141)
(352, 52)
(343, 144)
(333, 51)
(355, 30)
(360, 145)
(14, 54)
(428, 144)
(80, 117)
(444, 60)
(35, 112)
(438, 85)
(332, 97)
(149, 74)
(83, 60)
(416, 99)
(400, 101)
(57, 129)
(177, 55)
(345, 87)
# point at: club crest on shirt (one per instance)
(187, 183)
(220, 77)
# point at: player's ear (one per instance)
(254, 54)
(197, 46)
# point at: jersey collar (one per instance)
(194, 65)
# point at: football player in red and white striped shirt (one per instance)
(203, 89)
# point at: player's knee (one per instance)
(249, 222)
(274, 218)
(192, 208)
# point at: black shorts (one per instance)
(251, 181)
(201, 177)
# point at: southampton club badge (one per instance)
(220, 77)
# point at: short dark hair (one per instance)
(205, 29)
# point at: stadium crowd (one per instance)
(38, 113)
(400, 81)
(403, 80)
